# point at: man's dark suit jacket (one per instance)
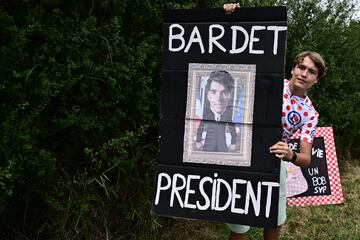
(215, 140)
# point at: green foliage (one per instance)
(80, 80)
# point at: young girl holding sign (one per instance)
(298, 113)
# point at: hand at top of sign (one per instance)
(231, 7)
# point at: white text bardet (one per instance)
(177, 42)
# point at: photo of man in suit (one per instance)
(217, 114)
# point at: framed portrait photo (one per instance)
(219, 114)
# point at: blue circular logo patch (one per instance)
(312, 133)
(294, 118)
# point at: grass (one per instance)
(325, 222)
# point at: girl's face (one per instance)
(304, 75)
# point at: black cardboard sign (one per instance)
(316, 174)
(196, 178)
(319, 183)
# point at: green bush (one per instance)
(80, 80)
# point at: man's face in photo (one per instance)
(218, 97)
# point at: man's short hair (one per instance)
(222, 77)
(315, 57)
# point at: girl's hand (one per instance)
(231, 7)
(281, 151)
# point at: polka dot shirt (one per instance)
(298, 113)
